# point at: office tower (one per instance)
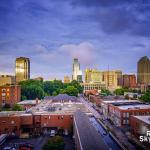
(66, 79)
(7, 79)
(77, 73)
(112, 78)
(93, 76)
(143, 70)
(22, 69)
(10, 94)
(129, 80)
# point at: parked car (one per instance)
(52, 133)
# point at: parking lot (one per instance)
(38, 142)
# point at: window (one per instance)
(124, 115)
(127, 115)
(12, 122)
(3, 90)
(127, 121)
(124, 121)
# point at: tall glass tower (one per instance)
(77, 73)
(22, 69)
(143, 70)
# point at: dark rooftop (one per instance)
(61, 98)
(90, 139)
(125, 103)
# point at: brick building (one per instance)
(120, 114)
(10, 94)
(129, 81)
(41, 119)
(139, 127)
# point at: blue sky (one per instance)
(52, 32)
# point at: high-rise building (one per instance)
(66, 79)
(77, 73)
(7, 79)
(112, 78)
(22, 69)
(143, 70)
(10, 94)
(93, 76)
(129, 80)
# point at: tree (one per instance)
(31, 89)
(146, 97)
(71, 90)
(17, 107)
(121, 91)
(55, 143)
(105, 91)
(54, 93)
(77, 85)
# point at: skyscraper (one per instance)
(143, 70)
(129, 80)
(93, 76)
(112, 78)
(22, 69)
(77, 73)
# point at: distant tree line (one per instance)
(32, 89)
(145, 95)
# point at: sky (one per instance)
(100, 33)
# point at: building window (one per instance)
(124, 121)
(127, 115)
(12, 122)
(3, 90)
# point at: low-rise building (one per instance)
(67, 79)
(140, 128)
(120, 113)
(93, 86)
(10, 94)
(42, 118)
(27, 104)
(7, 80)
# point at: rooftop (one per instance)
(119, 102)
(136, 106)
(28, 102)
(61, 97)
(50, 107)
(145, 119)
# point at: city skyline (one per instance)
(119, 29)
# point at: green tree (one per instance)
(55, 143)
(48, 87)
(77, 85)
(31, 89)
(17, 107)
(105, 91)
(71, 90)
(54, 93)
(146, 97)
(121, 91)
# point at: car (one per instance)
(7, 148)
(52, 133)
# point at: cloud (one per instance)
(85, 52)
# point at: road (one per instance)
(89, 106)
(119, 134)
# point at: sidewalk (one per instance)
(116, 131)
